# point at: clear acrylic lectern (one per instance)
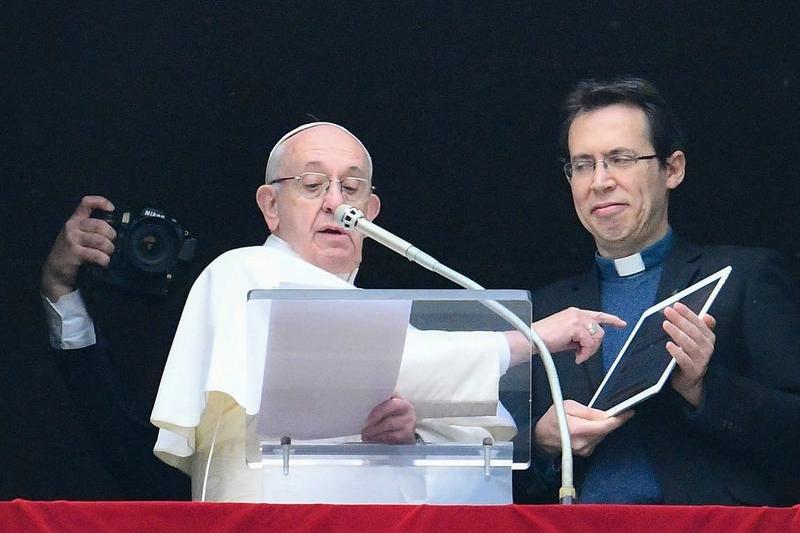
(330, 356)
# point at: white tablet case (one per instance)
(644, 364)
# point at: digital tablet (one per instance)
(644, 364)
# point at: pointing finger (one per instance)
(612, 320)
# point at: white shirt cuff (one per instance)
(68, 322)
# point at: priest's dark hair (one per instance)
(665, 131)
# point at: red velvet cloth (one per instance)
(179, 517)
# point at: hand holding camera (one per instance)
(82, 240)
(135, 250)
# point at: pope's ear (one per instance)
(267, 200)
(373, 207)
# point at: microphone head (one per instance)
(347, 216)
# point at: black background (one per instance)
(179, 103)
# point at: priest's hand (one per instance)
(587, 428)
(391, 422)
(691, 346)
(82, 240)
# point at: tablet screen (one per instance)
(643, 364)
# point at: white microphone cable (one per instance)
(351, 219)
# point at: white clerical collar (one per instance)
(651, 257)
(276, 243)
(628, 266)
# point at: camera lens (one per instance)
(153, 245)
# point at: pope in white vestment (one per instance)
(447, 387)
(209, 384)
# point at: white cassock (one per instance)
(210, 382)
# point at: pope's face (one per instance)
(307, 224)
(624, 209)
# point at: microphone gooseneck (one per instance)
(352, 219)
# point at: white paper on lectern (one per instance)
(328, 364)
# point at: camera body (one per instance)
(149, 247)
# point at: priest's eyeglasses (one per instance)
(584, 168)
(316, 184)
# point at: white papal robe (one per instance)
(210, 383)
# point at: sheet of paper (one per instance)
(328, 363)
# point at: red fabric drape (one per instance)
(179, 517)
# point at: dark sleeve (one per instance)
(123, 439)
(541, 481)
(752, 386)
(539, 484)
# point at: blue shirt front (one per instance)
(620, 471)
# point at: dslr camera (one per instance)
(149, 248)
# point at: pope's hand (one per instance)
(575, 329)
(391, 422)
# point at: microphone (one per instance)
(352, 219)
